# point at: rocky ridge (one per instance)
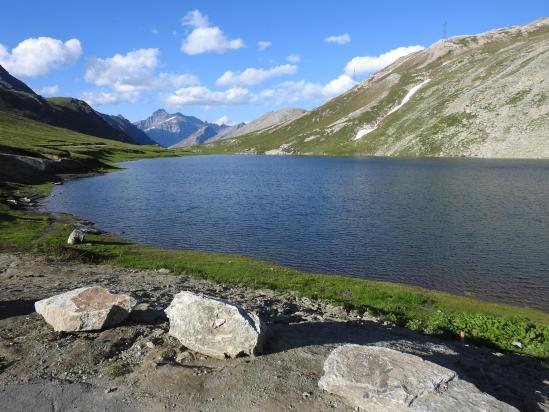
(479, 95)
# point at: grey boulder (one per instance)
(214, 327)
(76, 237)
(376, 378)
(85, 309)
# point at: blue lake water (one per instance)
(475, 227)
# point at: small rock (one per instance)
(214, 327)
(150, 345)
(517, 344)
(164, 270)
(110, 390)
(182, 357)
(85, 309)
(76, 237)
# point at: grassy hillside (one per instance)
(69, 113)
(484, 96)
(24, 136)
(79, 116)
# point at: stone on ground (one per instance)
(214, 327)
(376, 378)
(85, 309)
(76, 237)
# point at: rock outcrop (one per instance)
(76, 237)
(376, 378)
(214, 327)
(85, 309)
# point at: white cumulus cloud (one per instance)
(195, 19)
(205, 38)
(127, 75)
(338, 86)
(283, 93)
(37, 56)
(100, 98)
(124, 72)
(202, 96)
(291, 91)
(252, 76)
(262, 45)
(224, 120)
(340, 39)
(294, 58)
(49, 91)
(369, 64)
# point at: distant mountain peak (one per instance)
(159, 112)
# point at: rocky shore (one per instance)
(138, 366)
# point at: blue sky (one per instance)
(133, 57)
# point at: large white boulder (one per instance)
(214, 326)
(376, 379)
(85, 309)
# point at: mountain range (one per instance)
(168, 130)
(483, 95)
(178, 130)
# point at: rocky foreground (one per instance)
(305, 364)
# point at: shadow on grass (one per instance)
(107, 242)
(4, 217)
(512, 378)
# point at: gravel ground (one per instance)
(137, 366)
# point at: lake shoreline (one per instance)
(434, 224)
(430, 311)
(129, 367)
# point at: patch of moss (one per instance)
(517, 97)
(118, 369)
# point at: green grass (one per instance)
(117, 369)
(420, 309)
(39, 139)
(517, 97)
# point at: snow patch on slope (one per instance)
(364, 131)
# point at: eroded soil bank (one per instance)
(138, 366)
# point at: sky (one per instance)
(226, 61)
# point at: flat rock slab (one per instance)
(375, 378)
(214, 327)
(85, 309)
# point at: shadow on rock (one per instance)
(512, 378)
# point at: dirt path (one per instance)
(138, 367)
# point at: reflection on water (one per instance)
(473, 227)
